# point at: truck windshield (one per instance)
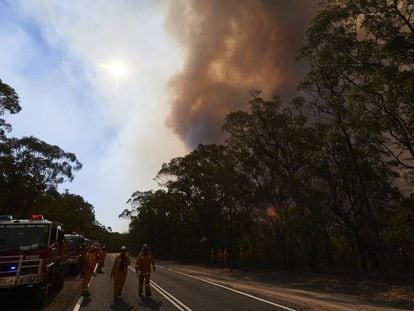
(24, 237)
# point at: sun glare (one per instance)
(116, 69)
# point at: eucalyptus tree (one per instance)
(360, 85)
(362, 59)
(214, 193)
(9, 103)
(28, 165)
(70, 209)
(278, 151)
(156, 219)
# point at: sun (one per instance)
(116, 69)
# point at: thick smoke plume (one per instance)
(232, 47)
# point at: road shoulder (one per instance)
(299, 290)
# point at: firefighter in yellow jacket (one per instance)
(119, 272)
(143, 267)
(101, 259)
(89, 267)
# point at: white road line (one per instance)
(229, 288)
(80, 300)
(78, 304)
(165, 294)
(173, 300)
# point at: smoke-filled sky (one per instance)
(130, 84)
(232, 47)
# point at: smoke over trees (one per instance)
(307, 184)
(233, 46)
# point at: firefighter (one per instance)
(119, 272)
(88, 269)
(143, 267)
(101, 259)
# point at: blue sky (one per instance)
(52, 54)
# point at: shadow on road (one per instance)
(121, 305)
(86, 300)
(150, 303)
(21, 299)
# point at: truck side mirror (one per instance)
(61, 236)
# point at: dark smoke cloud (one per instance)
(233, 46)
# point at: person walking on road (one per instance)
(119, 272)
(88, 270)
(101, 259)
(143, 268)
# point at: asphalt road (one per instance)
(58, 299)
(171, 291)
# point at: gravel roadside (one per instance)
(313, 292)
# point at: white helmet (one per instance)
(123, 249)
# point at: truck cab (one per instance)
(33, 254)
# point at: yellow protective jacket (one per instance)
(120, 265)
(101, 256)
(144, 262)
(90, 261)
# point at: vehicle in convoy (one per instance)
(96, 243)
(33, 254)
(78, 247)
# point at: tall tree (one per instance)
(362, 59)
(215, 192)
(361, 85)
(9, 102)
(28, 165)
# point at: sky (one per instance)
(56, 55)
(127, 85)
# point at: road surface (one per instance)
(171, 291)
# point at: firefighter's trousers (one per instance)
(144, 278)
(86, 279)
(101, 264)
(119, 281)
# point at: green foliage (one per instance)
(9, 102)
(69, 209)
(31, 171)
(28, 167)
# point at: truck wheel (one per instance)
(54, 277)
(58, 277)
(62, 275)
(39, 295)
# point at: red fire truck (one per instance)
(78, 247)
(33, 254)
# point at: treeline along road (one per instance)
(321, 183)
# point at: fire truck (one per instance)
(33, 254)
(78, 247)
